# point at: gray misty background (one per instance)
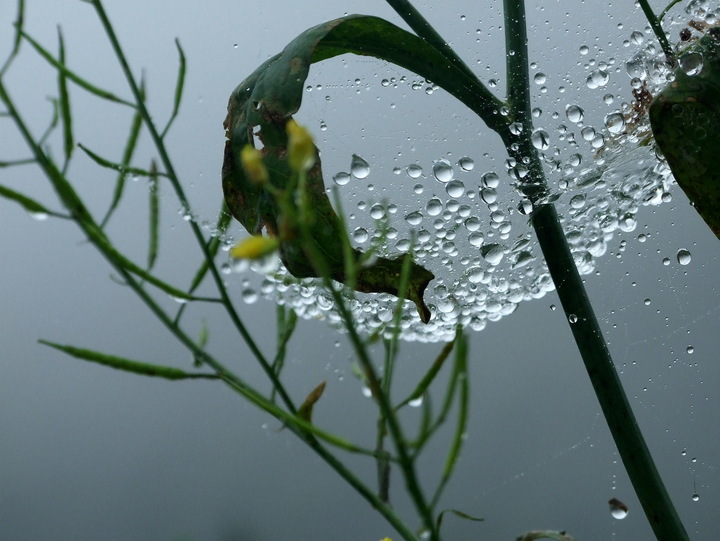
(87, 453)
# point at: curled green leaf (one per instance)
(262, 105)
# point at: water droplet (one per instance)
(442, 171)
(455, 188)
(578, 201)
(618, 509)
(377, 212)
(691, 63)
(540, 139)
(572, 318)
(342, 178)
(414, 218)
(516, 128)
(466, 164)
(489, 195)
(587, 133)
(584, 49)
(690, 350)
(492, 253)
(615, 122)
(39, 216)
(359, 167)
(361, 235)
(416, 403)
(434, 206)
(574, 113)
(540, 78)
(597, 79)
(684, 257)
(637, 38)
(414, 170)
(490, 180)
(695, 497)
(525, 207)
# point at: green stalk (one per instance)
(629, 440)
(586, 330)
(658, 30)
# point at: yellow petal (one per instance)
(253, 165)
(301, 148)
(254, 247)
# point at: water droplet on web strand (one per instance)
(540, 139)
(358, 167)
(414, 218)
(691, 63)
(695, 497)
(442, 171)
(618, 509)
(572, 318)
(414, 170)
(466, 164)
(684, 257)
(637, 38)
(615, 122)
(342, 178)
(574, 113)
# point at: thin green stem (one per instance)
(658, 30)
(173, 178)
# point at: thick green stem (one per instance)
(614, 403)
(629, 440)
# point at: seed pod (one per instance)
(685, 120)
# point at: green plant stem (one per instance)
(588, 336)
(173, 178)
(658, 31)
(629, 440)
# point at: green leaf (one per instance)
(430, 375)
(117, 166)
(30, 205)
(458, 514)
(685, 117)
(154, 219)
(179, 85)
(262, 105)
(127, 365)
(64, 101)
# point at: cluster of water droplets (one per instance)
(465, 222)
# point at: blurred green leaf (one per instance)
(64, 102)
(154, 219)
(179, 85)
(117, 166)
(127, 365)
(27, 203)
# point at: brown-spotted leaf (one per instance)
(685, 118)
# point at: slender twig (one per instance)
(658, 30)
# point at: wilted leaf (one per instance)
(306, 408)
(261, 106)
(685, 118)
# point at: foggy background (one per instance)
(90, 453)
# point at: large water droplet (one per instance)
(442, 170)
(618, 509)
(434, 206)
(361, 235)
(637, 38)
(490, 180)
(574, 113)
(455, 188)
(597, 79)
(492, 253)
(540, 139)
(414, 170)
(359, 167)
(466, 164)
(342, 178)
(414, 218)
(691, 63)
(684, 257)
(615, 122)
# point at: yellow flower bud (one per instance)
(253, 165)
(301, 148)
(255, 247)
